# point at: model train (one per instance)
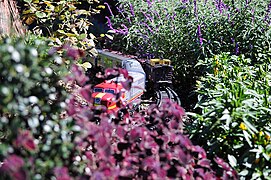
(154, 75)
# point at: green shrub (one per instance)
(63, 21)
(235, 99)
(31, 100)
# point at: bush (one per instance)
(63, 21)
(186, 31)
(32, 134)
(39, 142)
(235, 99)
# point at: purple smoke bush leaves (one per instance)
(13, 165)
(132, 146)
(62, 173)
(77, 75)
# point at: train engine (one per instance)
(159, 73)
(112, 94)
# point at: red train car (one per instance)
(111, 92)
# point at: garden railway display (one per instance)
(154, 76)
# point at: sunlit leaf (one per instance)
(92, 36)
(232, 160)
(94, 52)
(61, 31)
(86, 65)
(71, 35)
(250, 126)
(109, 36)
(101, 6)
(28, 1)
(82, 36)
(247, 137)
(40, 14)
(111, 31)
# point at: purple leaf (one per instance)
(25, 139)
(204, 163)
(85, 92)
(128, 83)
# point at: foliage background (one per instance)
(234, 95)
(186, 31)
(37, 141)
(230, 37)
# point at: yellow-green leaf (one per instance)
(71, 35)
(109, 36)
(86, 65)
(101, 6)
(61, 31)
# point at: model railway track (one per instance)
(166, 93)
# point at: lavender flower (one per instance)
(121, 11)
(232, 40)
(119, 31)
(148, 17)
(149, 28)
(111, 13)
(219, 6)
(195, 8)
(132, 9)
(157, 14)
(109, 24)
(149, 3)
(266, 18)
(237, 48)
(200, 35)
(129, 20)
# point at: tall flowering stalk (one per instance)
(200, 35)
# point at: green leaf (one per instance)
(40, 14)
(232, 160)
(247, 137)
(86, 65)
(58, 8)
(244, 172)
(61, 31)
(82, 36)
(71, 34)
(28, 1)
(109, 36)
(250, 126)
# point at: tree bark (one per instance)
(10, 22)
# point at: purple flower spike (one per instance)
(109, 22)
(200, 35)
(149, 3)
(132, 9)
(195, 8)
(111, 13)
(237, 49)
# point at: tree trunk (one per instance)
(10, 22)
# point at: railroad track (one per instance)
(166, 93)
